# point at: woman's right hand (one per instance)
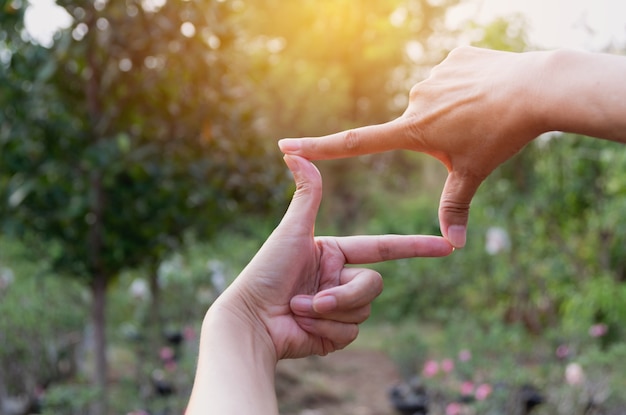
(468, 114)
(479, 107)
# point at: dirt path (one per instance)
(347, 382)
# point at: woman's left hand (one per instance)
(298, 293)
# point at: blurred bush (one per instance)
(41, 327)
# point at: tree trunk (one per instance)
(155, 319)
(100, 375)
(3, 393)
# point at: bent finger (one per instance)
(349, 302)
(306, 309)
(358, 288)
(339, 334)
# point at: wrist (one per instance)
(548, 92)
(570, 98)
(236, 365)
(536, 91)
(233, 320)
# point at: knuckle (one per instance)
(460, 51)
(415, 91)
(454, 207)
(384, 249)
(352, 140)
(462, 184)
(307, 187)
(414, 133)
(450, 202)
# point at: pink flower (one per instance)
(170, 365)
(467, 388)
(431, 368)
(598, 330)
(465, 355)
(166, 354)
(447, 365)
(189, 333)
(453, 408)
(562, 351)
(483, 391)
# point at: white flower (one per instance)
(218, 275)
(574, 374)
(139, 289)
(497, 240)
(6, 278)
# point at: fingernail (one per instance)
(302, 303)
(292, 163)
(324, 304)
(457, 235)
(289, 145)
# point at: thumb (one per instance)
(302, 212)
(454, 206)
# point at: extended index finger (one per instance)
(355, 142)
(368, 249)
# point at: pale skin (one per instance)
(295, 298)
(479, 107)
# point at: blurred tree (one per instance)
(330, 65)
(129, 132)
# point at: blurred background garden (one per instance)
(139, 172)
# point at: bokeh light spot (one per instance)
(188, 29)
(125, 65)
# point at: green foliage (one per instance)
(129, 133)
(408, 346)
(507, 34)
(466, 355)
(108, 123)
(71, 399)
(189, 281)
(188, 274)
(38, 331)
(597, 301)
(559, 202)
(606, 366)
